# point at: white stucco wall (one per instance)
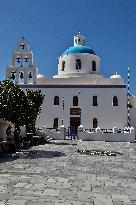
(108, 137)
(133, 117)
(86, 64)
(108, 116)
(132, 110)
(80, 79)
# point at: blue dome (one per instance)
(79, 49)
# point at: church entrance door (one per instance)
(74, 124)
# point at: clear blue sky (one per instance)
(49, 26)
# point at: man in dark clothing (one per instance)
(11, 141)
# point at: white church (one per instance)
(79, 94)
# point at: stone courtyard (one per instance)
(54, 174)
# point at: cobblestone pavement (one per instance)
(55, 174)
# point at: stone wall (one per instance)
(55, 135)
(111, 136)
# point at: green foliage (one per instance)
(18, 108)
(12, 103)
(35, 99)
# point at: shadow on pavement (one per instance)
(63, 143)
(34, 154)
(7, 158)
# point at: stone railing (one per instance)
(109, 135)
(55, 134)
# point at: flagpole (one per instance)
(128, 94)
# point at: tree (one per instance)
(13, 103)
(18, 108)
(35, 100)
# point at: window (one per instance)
(95, 123)
(55, 123)
(21, 75)
(18, 61)
(22, 46)
(93, 65)
(130, 106)
(30, 75)
(56, 100)
(13, 75)
(26, 62)
(63, 66)
(115, 101)
(75, 101)
(78, 64)
(95, 101)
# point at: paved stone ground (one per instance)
(55, 174)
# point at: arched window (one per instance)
(94, 65)
(95, 100)
(18, 61)
(115, 101)
(95, 123)
(55, 123)
(75, 101)
(13, 75)
(30, 75)
(21, 74)
(56, 100)
(78, 64)
(63, 66)
(26, 62)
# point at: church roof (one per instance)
(116, 76)
(79, 49)
(40, 76)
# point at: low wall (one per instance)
(109, 137)
(55, 135)
(112, 135)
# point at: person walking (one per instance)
(11, 141)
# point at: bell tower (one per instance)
(22, 69)
(79, 40)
